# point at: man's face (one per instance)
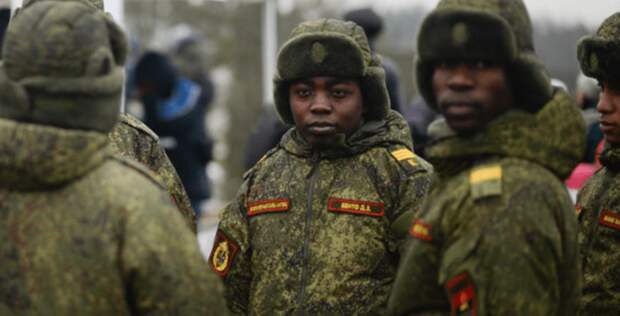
(324, 107)
(609, 107)
(471, 94)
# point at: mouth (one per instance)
(322, 128)
(607, 127)
(459, 110)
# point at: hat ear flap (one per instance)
(118, 40)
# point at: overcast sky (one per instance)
(591, 12)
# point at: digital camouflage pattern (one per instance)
(498, 233)
(598, 208)
(133, 140)
(320, 233)
(599, 54)
(93, 242)
(598, 202)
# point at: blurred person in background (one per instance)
(372, 24)
(83, 232)
(175, 109)
(598, 203)
(586, 95)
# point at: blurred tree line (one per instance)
(232, 33)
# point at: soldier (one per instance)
(83, 232)
(318, 224)
(133, 140)
(497, 235)
(598, 205)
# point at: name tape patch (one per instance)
(609, 219)
(369, 208)
(420, 230)
(268, 206)
(223, 253)
(462, 295)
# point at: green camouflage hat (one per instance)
(499, 31)
(599, 54)
(96, 3)
(329, 47)
(68, 56)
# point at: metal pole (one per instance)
(270, 42)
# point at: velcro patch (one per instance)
(407, 160)
(268, 206)
(420, 230)
(609, 219)
(403, 154)
(375, 209)
(485, 181)
(223, 253)
(462, 293)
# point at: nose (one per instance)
(321, 103)
(461, 77)
(605, 104)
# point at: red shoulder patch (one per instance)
(268, 206)
(462, 293)
(609, 219)
(223, 253)
(421, 230)
(376, 209)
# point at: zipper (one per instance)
(315, 161)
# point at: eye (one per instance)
(340, 93)
(446, 64)
(302, 91)
(482, 64)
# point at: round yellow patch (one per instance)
(221, 256)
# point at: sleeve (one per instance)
(161, 264)
(231, 254)
(168, 175)
(521, 261)
(414, 183)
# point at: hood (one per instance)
(554, 137)
(34, 157)
(393, 130)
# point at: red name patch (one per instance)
(223, 253)
(421, 230)
(462, 295)
(375, 209)
(268, 206)
(609, 219)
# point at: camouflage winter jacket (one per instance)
(498, 234)
(131, 139)
(598, 209)
(319, 233)
(83, 233)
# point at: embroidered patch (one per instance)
(268, 206)
(318, 53)
(462, 295)
(223, 253)
(407, 159)
(420, 230)
(485, 181)
(355, 207)
(609, 219)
